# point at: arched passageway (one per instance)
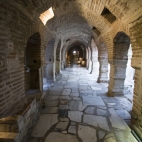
(76, 55)
(118, 68)
(81, 99)
(32, 62)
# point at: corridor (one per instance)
(77, 109)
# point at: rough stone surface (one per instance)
(110, 138)
(57, 137)
(102, 112)
(101, 134)
(72, 129)
(75, 115)
(62, 125)
(97, 121)
(87, 134)
(76, 105)
(117, 121)
(97, 101)
(40, 128)
(90, 110)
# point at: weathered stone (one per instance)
(101, 134)
(97, 121)
(96, 100)
(90, 110)
(76, 105)
(57, 137)
(87, 134)
(75, 115)
(72, 129)
(110, 138)
(117, 121)
(101, 112)
(40, 128)
(66, 92)
(62, 125)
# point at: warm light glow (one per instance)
(74, 52)
(47, 15)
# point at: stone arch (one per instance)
(118, 68)
(80, 54)
(32, 62)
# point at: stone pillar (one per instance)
(90, 66)
(50, 71)
(58, 66)
(117, 78)
(62, 65)
(95, 67)
(103, 71)
(87, 63)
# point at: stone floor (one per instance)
(76, 109)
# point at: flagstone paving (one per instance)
(77, 109)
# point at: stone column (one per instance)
(117, 78)
(87, 63)
(95, 67)
(62, 65)
(90, 66)
(103, 71)
(58, 66)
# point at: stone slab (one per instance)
(62, 125)
(64, 107)
(66, 92)
(55, 92)
(74, 94)
(44, 123)
(64, 119)
(123, 114)
(117, 121)
(51, 103)
(101, 134)
(127, 136)
(95, 88)
(110, 138)
(72, 129)
(76, 99)
(63, 113)
(51, 97)
(49, 110)
(65, 98)
(76, 105)
(58, 137)
(90, 110)
(102, 112)
(97, 121)
(87, 134)
(95, 100)
(75, 116)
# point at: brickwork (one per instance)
(73, 23)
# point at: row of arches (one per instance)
(93, 56)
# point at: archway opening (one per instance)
(32, 62)
(120, 59)
(76, 56)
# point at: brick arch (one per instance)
(118, 66)
(32, 62)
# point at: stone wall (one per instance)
(73, 20)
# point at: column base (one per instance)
(115, 92)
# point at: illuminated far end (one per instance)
(47, 15)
